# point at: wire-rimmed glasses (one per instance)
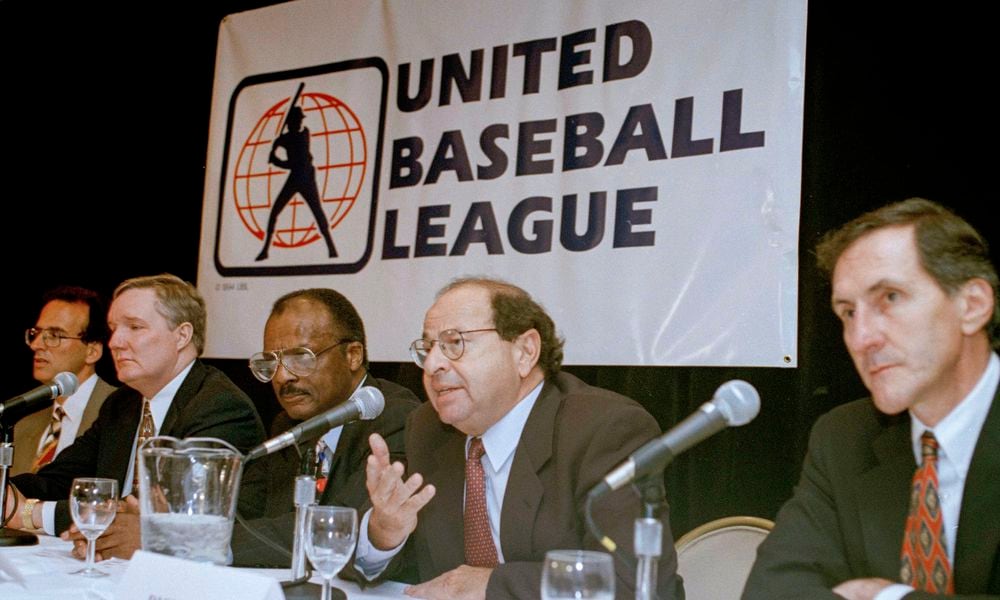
(50, 337)
(451, 341)
(299, 361)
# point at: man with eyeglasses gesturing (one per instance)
(508, 447)
(68, 336)
(315, 357)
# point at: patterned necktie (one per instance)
(48, 451)
(147, 429)
(479, 548)
(924, 561)
(323, 459)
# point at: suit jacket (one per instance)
(573, 437)
(28, 431)
(847, 515)
(207, 404)
(272, 512)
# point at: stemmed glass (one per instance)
(578, 574)
(93, 502)
(331, 533)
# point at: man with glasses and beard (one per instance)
(68, 336)
(315, 356)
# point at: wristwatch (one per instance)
(26, 512)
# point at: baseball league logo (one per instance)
(298, 193)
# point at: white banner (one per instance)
(635, 165)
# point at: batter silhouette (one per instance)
(301, 179)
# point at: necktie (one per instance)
(479, 548)
(48, 451)
(924, 561)
(147, 429)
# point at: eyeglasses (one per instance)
(300, 361)
(451, 341)
(50, 337)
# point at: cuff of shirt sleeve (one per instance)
(369, 560)
(49, 517)
(894, 592)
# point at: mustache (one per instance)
(290, 389)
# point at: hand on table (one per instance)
(120, 540)
(462, 583)
(861, 589)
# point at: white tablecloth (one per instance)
(46, 569)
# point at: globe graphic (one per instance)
(339, 151)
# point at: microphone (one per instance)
(63, 384)
(365, 404)
(735, 403)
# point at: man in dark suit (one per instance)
(917, 296)
(68, 336)
(491, 362)
(157, 333)
(315, 356)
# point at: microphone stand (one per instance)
(8, 536)
(648, 535)
(305, 496)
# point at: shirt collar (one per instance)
(160, 403)
(501, 439)
(76, 403)
(958, 432)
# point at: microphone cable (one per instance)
(605, 541)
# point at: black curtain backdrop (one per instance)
(105, 128)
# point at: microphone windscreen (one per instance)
(371, 402)
(738, 401)
(66, 382)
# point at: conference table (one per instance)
(45, 572)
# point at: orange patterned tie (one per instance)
(479, 548)
(48, 451)
(147, 429)
(924, 558)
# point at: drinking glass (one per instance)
(331, 533)
(578, 574)
(93, 501)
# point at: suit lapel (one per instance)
(979, 521)
(185, 392)
(446, 540)
(523, 495)
(884, 497)
(93, 408)
(123, 437)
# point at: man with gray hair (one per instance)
(157, 334)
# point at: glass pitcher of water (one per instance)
(187, 497)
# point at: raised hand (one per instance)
(395, 503)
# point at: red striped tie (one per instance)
(480, 550)
(48, 451)
(924, 558)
